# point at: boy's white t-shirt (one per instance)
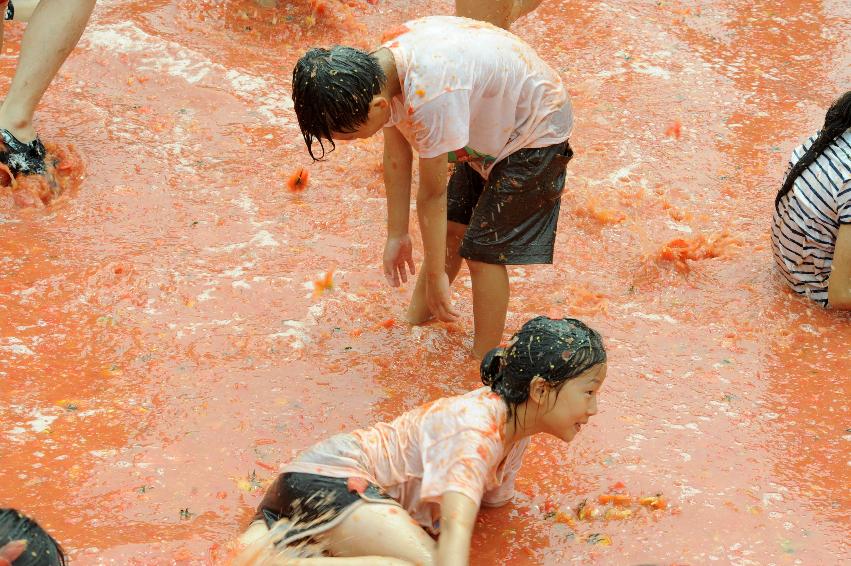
(475, 92)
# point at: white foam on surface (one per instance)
(158, 56)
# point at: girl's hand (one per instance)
(398, 253)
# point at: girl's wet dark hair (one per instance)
(836, 121)
(42, 549)
(332, 90)
(556, 350)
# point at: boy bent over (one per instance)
(455, 91)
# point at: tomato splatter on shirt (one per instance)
(451, 444)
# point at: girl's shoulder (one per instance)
(480, 409)
(481, 399)
(843, 148)
(799, 150)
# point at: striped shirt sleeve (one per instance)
(843, 204)
(842, 154)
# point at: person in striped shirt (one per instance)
(811, 232)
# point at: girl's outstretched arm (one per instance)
(457, 518)
(839, 282)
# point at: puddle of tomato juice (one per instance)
(181, 324)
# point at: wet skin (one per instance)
(169, 300)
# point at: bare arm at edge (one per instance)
(839, 282)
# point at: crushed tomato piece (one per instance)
(297, 182)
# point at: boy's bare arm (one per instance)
(431, 211)
(398, 158)
(398, 251)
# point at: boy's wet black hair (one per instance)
(556, 350)
(836, 121)
(332, 90)
(42, 549)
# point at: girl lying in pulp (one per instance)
(374, 493)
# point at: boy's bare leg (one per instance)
(52, 32)
(523, 7)
(497, 12)
(490, 304)
(418, 311)
(500, 13)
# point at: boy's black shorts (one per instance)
(511, 218)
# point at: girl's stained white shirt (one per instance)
(452, 444)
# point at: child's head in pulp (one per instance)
(336, 96)
(557, 366)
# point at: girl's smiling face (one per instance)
(567, 409)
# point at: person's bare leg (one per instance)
(258, 549)
(490, 304)
(500, 13)
(52, 32)
(418, 311)
(521, 8)
(336, 561)
(497, 12)
(377, 529)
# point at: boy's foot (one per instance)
(20, 157)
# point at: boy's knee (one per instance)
(455, 230)
(481, 266)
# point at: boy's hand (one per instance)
(437, 298)
(398, 252)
